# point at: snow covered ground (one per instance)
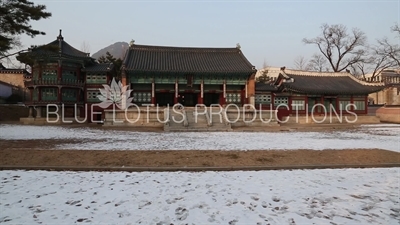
(383, 136)
(330, 196)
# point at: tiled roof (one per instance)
(265, 87)
(143, 58)
(101, 67)
(327, 83)
(59, 46)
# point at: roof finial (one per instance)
(60, 35)
(131, 43)
(283, 68)
(238, 46)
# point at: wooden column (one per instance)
(59, 70)
(337, 106)
(153, 95)
(366, 104)
(176, 92)
(200, 100)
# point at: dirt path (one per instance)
(194, 158)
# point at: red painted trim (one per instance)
(59, 72)
(199, 99)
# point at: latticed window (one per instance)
(233, 98)
(359, 105)
(298, 104)
(96, 78)
(343, 104)
(49, 93)
(92, 95)
(263, 99)
(143, 97)
(281, 101)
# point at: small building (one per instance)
(391, 94)
(15, 78)
(306, 92)
(164, 76)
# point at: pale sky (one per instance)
(270, 31)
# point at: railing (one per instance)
(41, 102)
(51, 82)
(391, 80)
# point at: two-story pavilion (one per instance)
(56, 76)
(169, 75)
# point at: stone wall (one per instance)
(15, 79)
(389, 114)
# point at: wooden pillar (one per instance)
(224, 89)
(200, 100)
(30, 112)
(59, 70)
(272, 101)
(323, 103)
(176, 92)
(246, 92)
(153, 95)
(366, 104)
(337, 105)
(306, 104)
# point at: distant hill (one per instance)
(117, 50)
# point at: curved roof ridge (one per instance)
(84, 54)
(315, 73)
(183, 48)
(366, 83)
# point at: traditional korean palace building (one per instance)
(306, 89)
(63, 75)
(169, 75)
(158, 75)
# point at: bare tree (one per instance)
(381, 56)
(85, 47)
(396, 28)
(317, 63)
(377, 61)
(341, 48)
(300, 63)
